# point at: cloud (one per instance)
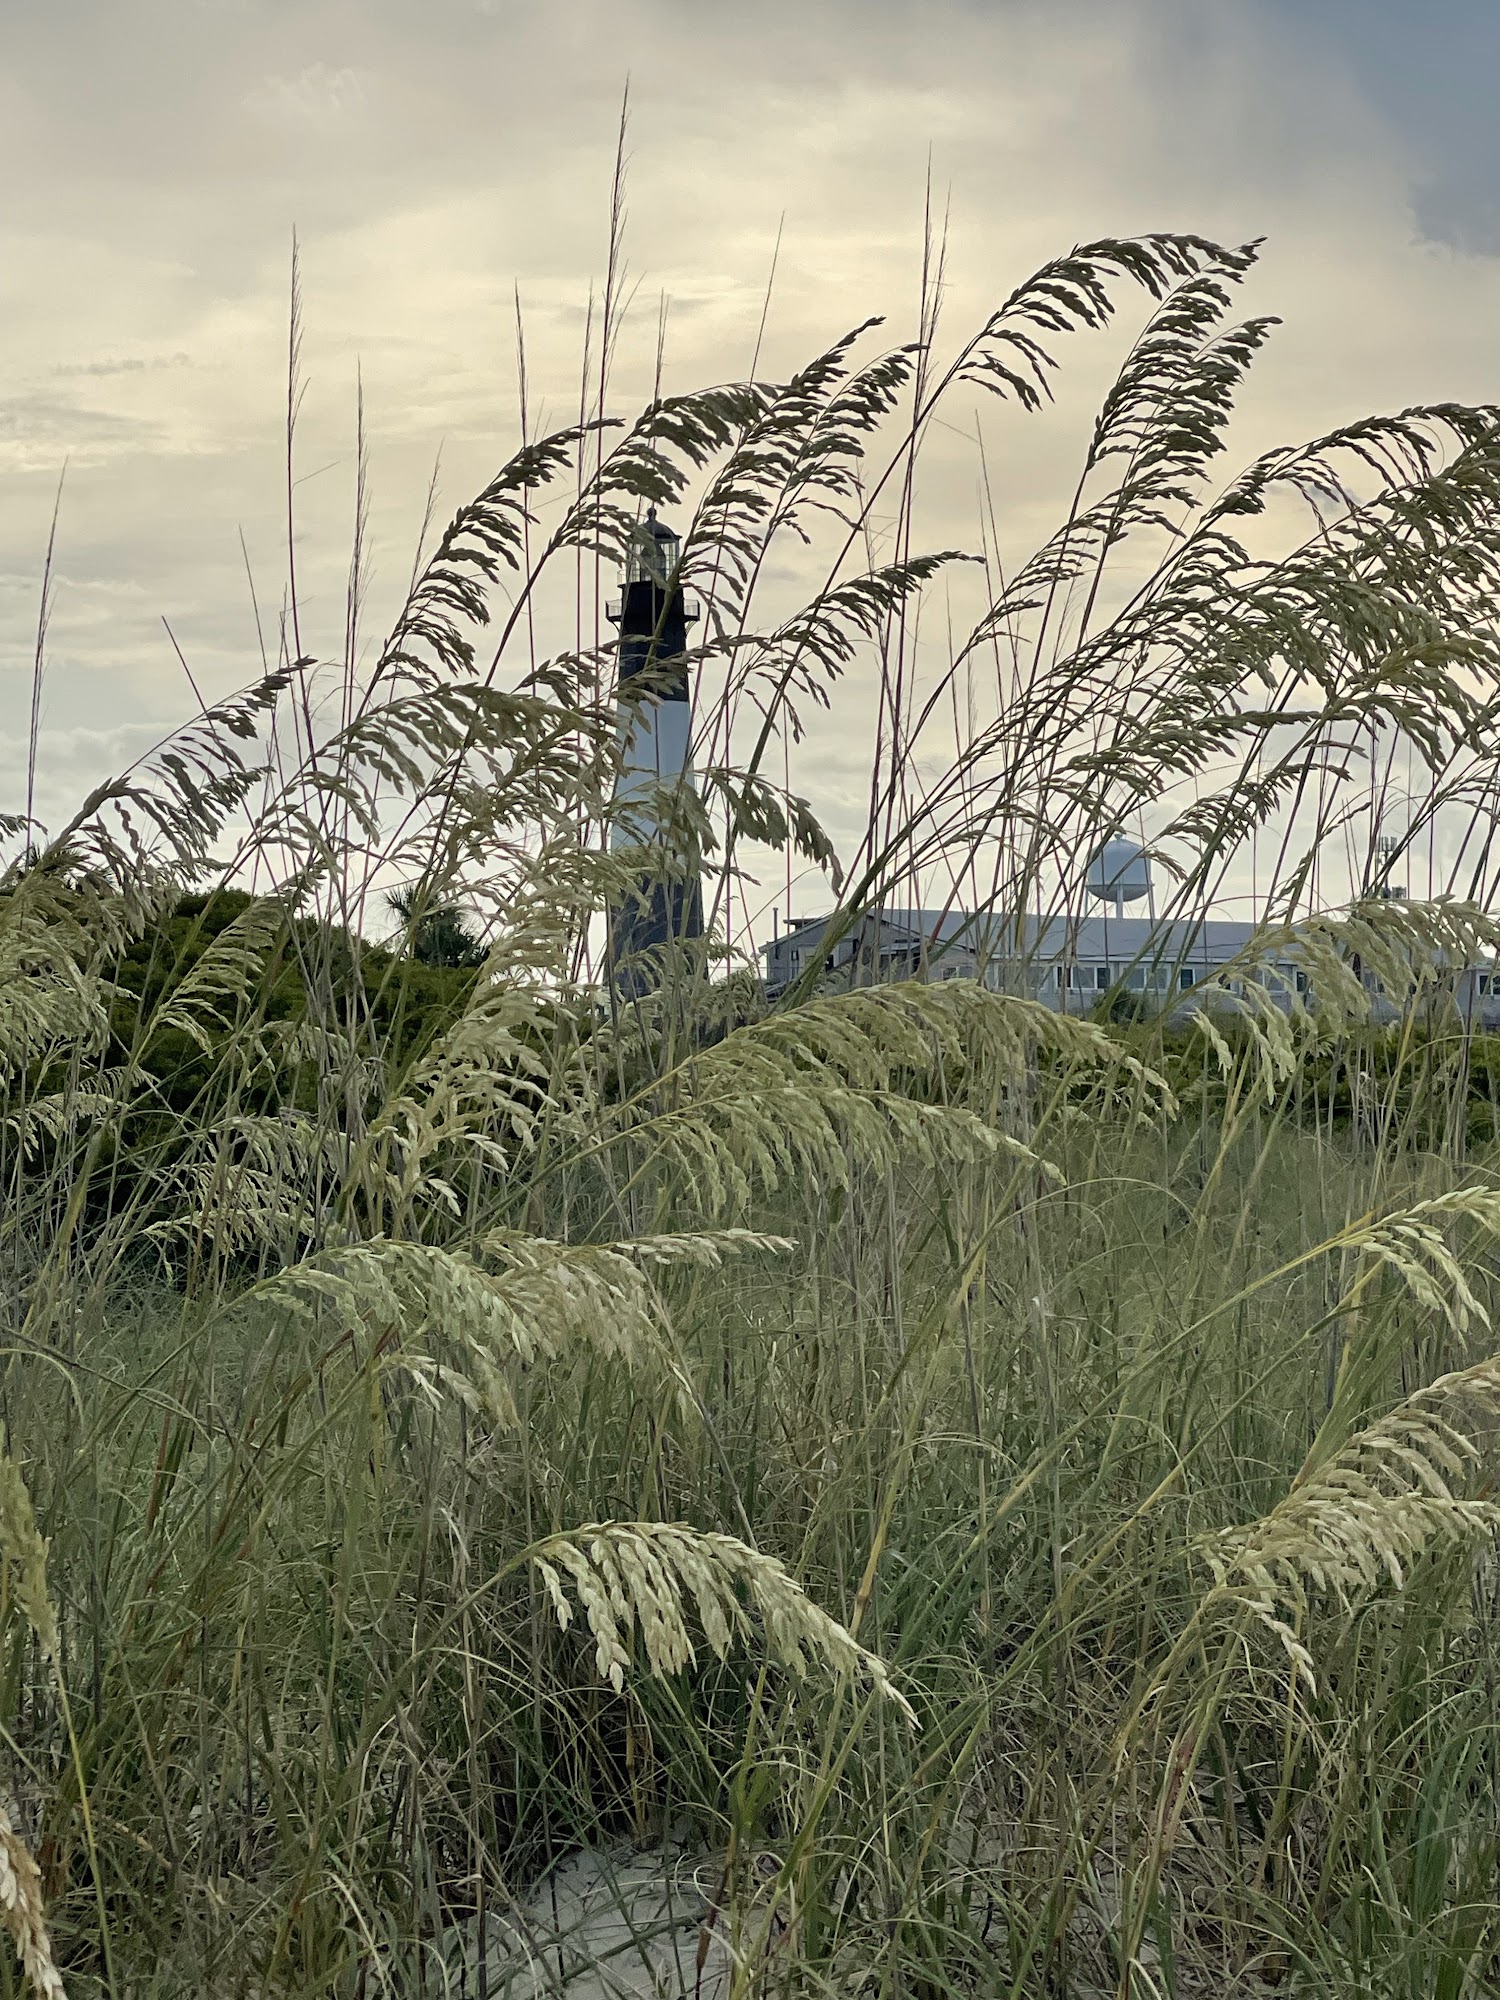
(317, 92)
(38, 432)
(130, 364)
(1428, 76)
(435, 159)
(79, 749)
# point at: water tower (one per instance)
(1119, 872)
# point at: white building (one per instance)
(1072, 962)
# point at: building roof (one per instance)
(1098, 936)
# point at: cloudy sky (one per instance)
(434, 155)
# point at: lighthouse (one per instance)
(655, 724)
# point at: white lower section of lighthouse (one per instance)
(655, 752)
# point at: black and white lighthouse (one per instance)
(655, 725)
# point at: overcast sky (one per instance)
(434, 154)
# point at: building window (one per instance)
(1084, 978)
(1187, 978)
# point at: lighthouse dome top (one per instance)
(653, 552)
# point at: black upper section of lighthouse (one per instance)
(653, 616)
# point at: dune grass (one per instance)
(1013, 1489)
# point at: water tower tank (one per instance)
(1119, 872)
